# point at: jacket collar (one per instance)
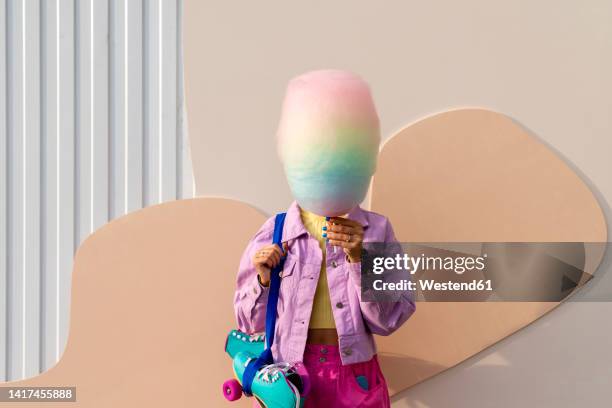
(359, 215)
(295, 228)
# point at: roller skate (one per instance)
(279, 385)
(240, 341)
(274, 385)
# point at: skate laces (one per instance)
(272, 372)
(249, 337)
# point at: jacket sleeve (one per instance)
(385, 317)
(250, 297)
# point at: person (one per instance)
(322, 320)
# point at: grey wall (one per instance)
(90, 129)
(547, 64)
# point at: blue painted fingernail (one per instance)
(326, 218)
(324, 228)
(324, 235)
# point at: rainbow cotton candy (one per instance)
(328, 140)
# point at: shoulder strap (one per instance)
(271, 310)
(274, 282)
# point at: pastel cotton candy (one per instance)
(328, 139)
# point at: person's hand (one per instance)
(348, 235)
(265, 259)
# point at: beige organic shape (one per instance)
(473, 175)
(151, 306)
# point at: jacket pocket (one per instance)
(288, 276)
(288, 269)
(287, 285)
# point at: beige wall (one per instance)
(545, 63)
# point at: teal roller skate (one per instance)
(279, 385)
(240, 341)
(273, 384)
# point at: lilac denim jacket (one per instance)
(356, 321)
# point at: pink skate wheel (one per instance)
(232, 391)
(303, 372)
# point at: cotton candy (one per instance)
(328, 140)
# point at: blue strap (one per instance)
(274, 281)
(266, 356)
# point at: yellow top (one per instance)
(322, 316)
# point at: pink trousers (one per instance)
(335, 385)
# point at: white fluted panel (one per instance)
(32, 186)
(91, 127)
(4, 190)
(15, 101)
(65, 157)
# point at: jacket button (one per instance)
(334, 264)
(339, 305)
(347, 351)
